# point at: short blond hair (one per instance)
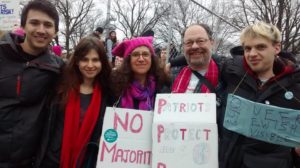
(261, 29)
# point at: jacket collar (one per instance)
(286, 75)
(11, 40)
(281, 68)
(238, 70)
(45, 60)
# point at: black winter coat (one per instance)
(24, 88)
(238, 151)
(50, 153)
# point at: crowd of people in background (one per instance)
(52, 111)
(166, 54)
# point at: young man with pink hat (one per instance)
(139, 78)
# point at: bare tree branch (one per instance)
(285, 14)
(75, 16)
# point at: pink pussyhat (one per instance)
(19, 31)
(126, 47)
(57, 50)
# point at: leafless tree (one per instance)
(285, 14)
(137, 16)
(75, 17)
(87, 26)
(186, 13)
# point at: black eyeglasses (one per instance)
(143, 54)
(189, 43)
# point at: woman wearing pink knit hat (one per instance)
(140, 77)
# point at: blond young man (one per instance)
(263, 77)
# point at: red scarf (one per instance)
(76, 136)
(182, 80)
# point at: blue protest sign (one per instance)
(263, 122)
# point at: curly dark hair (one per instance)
(122, 77)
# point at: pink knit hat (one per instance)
(57, 50)
(127, 46)
(19, 31)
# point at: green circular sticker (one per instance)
(110, 135)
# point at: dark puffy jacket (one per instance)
(24, 88)
(237, 151)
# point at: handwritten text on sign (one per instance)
(181, 134)
(196, 146)
(185, 131)
(185, 107)
(264, 122)
(126, 139)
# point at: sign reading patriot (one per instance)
(184, 131)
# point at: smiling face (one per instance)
(197, 47)
(140, 61)
(40, 30)
(260, 54)
(90, 66)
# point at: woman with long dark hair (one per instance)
(140, 77)
(79, 108)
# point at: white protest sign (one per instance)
(9, 14)
(184, 131)
(185, 107)
(126, 139)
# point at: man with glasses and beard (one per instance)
(202, 73)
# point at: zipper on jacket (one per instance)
(18, 88)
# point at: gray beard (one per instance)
(196, 65)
